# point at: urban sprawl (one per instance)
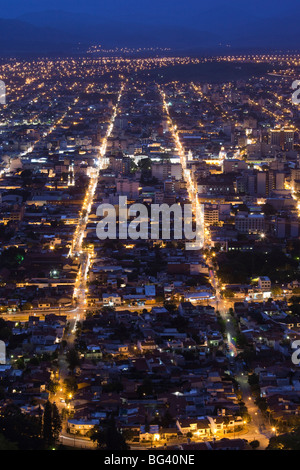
(141, 343)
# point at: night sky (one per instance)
(174, 23)
(166, 11)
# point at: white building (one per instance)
(251, 223)
(264, 283)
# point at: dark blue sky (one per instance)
(169, 23)
(162, 11)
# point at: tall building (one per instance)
(211, 214)
(120, 164)
(251, 223)
(287, 227)
(234, 165)
(166, 169)
(295, 177)
(283, 138)
(260, 183)
(127, 187)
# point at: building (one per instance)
(264, 283)
(283, 138)
(164, 170)
(81, 426)
(234, 165)
(250, 223)
(127, 187)
(211, 214)
(111, 299)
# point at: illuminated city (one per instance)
(127, 343)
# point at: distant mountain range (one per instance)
(20, 37)
(61, 32)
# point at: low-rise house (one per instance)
(81, 426)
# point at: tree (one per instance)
(115, 386)
(5, 330)
(167, 420)
(51, 423)
(288, 441)
(276, 291)
(52, 386)
(27, 306)
(26, 176)
(56, 422)
(254, 444)
(114, 439)
(228, 294)
(170, 306)
(47, 424)
(19, 428)
(20, 364)
(129, 434)
(73, 359)
(241, 340)
(145, 389)
(5, 444)
(71, 384)
(12, 257)
(108, 437)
